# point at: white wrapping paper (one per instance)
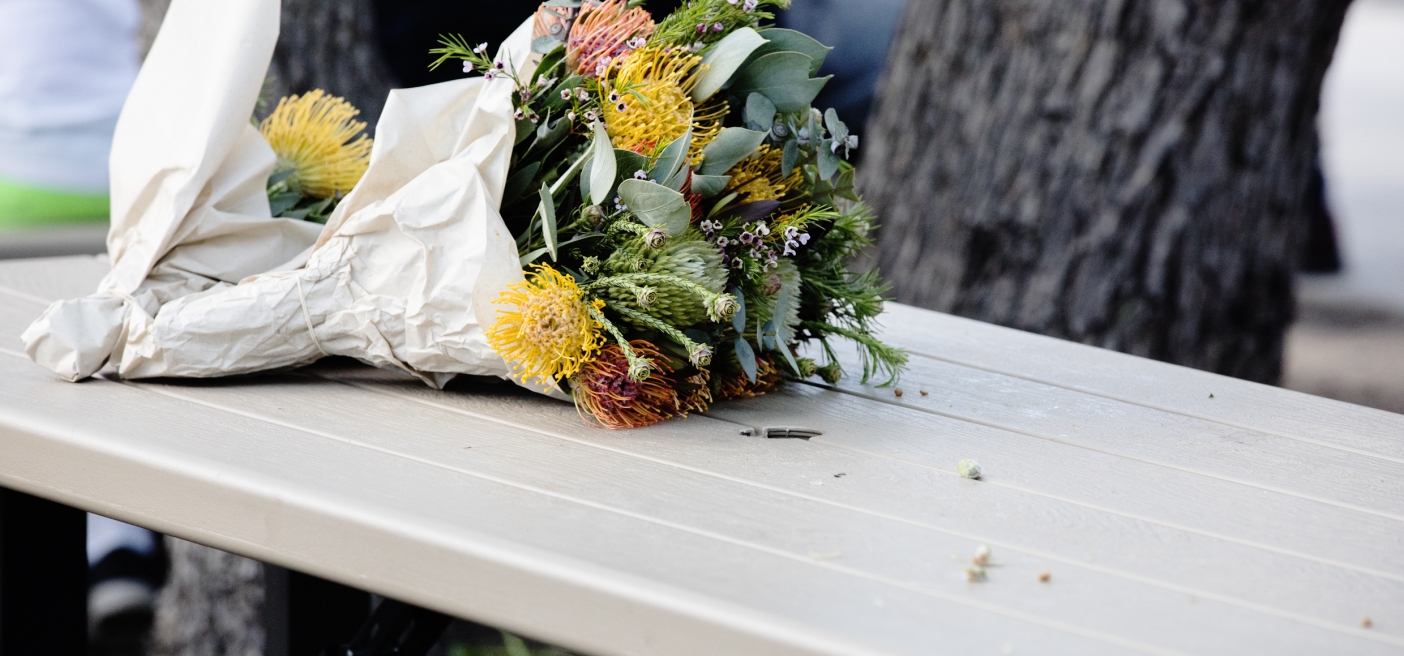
(206, 284)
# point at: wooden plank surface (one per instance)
(1165, 531)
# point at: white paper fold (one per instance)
(205, 284)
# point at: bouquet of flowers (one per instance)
(642, 216)
(684, 213)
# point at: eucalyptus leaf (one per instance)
(790, 157)
(783, 77)
(729, 148)
(828, 160)
(545, 44)
(708, 186)
(837, 128)
(672, 161)
(724, 59)
(760, 113)
(782, 40)
(548, 219)
(657, 206)
(738, 320)
(747, 356)
(604, 170)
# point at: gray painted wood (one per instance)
(688, 538)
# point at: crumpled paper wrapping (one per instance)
(205, 283)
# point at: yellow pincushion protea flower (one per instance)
(760, 176)
(550, 334)
(315, 135)
(648, 103)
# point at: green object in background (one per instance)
(23, 206)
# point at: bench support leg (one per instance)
(303, 614)
(43, 577)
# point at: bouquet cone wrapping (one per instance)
(205, 283)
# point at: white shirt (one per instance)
(65, 69)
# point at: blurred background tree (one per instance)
(1130, 174)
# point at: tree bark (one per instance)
(1124, 173)
(331, 45)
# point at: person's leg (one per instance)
(127, 567)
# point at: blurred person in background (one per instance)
(65, 69)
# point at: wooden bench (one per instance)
(1130, 506)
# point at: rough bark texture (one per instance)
(211, 606)
(331, 45)
(1124, 173)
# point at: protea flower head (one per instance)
(601, 34)
(316, 135)
(607, 390)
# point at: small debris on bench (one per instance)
(840, 475)
(1045, 577)
(1367, 623)
(1211, 395)
(925, 393)
(898, 392)
(975, 574)
(816, 482)
(970, 469)
(981, 557)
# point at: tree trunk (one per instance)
(331, 45)
(1124, 173)
(211, 606)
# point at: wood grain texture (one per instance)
(1144, 382)
(503, 507)
(1130, 174)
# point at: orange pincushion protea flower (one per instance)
(738, 386)
(602, 34)
(604, 390)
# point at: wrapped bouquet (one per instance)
(644, 216)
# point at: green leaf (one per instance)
(554, 101)
(828, 160)
(760, 113)
(545, 44)
(279, 204)
(525, 128)
(279, 176)
(548, 219)
(657, 206)
(520, 182)
(604, 170)
(846, 187)
(837, 128)
(672, 162)
(738, 320)
(782, 40)
(725, 58)
(708, 186)
(536, 254)
(730, 147)
(547, 137)
(783, 77)
(790, 157)
(747, 356)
